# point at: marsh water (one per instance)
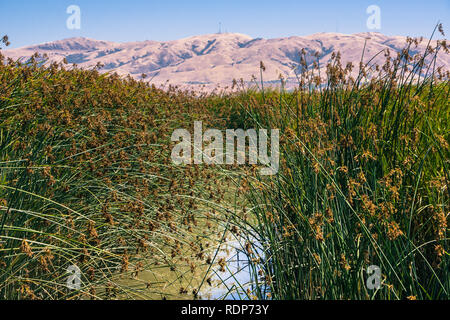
(238, 279)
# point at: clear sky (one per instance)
(29, 22)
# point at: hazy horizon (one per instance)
(436, 36)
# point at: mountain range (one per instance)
(216, 59)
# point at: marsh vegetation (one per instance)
(86, 179)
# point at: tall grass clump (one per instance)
(86, 180)
(363, 181)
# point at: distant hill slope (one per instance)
(217, 59)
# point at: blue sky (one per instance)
(35, 21)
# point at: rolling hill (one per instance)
(216, 59)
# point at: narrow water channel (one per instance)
(238, 278)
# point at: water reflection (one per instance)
(238, 280)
